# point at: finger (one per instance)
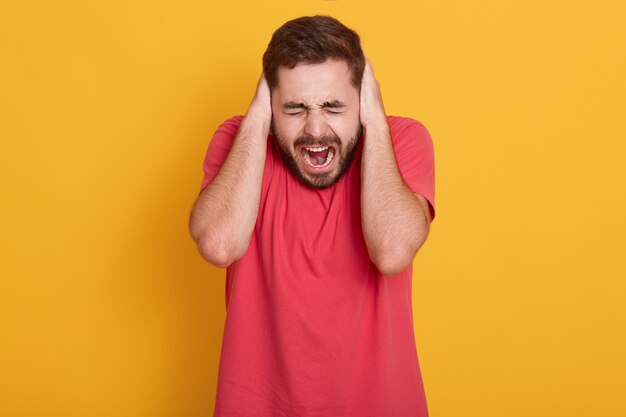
(368, 65)
(367, 60)
(364, 54)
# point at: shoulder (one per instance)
(399, 124)
(219, 147)
(414, 151)
(406, 129)
(402, 121)
(223, 138)
(230, 126)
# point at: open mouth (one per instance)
(318, 157)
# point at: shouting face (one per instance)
(315, 121)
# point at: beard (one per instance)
(344, 153)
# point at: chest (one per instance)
(318, 230)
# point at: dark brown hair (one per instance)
(313, 40)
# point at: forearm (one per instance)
(225, 212)
(394, 224)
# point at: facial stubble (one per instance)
(326, 179)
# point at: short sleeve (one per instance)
(414, 151)
(218, 149)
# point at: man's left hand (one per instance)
(372, 109)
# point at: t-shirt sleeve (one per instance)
(218, 149)
(414, 151)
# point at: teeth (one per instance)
(329, 158)
(323, 148)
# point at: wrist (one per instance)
(258, 117)
(376, 126)
(373, 116)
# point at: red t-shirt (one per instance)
(312, 327)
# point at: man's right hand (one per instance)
(261, 104)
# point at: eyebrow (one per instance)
(335, 104)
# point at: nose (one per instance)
(315, 124)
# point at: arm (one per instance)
(224, 214)
(395, 220)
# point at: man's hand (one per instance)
(372, 109)
(261, 104)
(223, 217)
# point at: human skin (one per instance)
(395, 221)
(224, 214)
(311, 105)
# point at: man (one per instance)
(317, 203)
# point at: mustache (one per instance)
(326, 140)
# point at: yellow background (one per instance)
(106, 110)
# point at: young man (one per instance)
(317, 202)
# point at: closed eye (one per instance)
(334, 107)
(293, 109)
